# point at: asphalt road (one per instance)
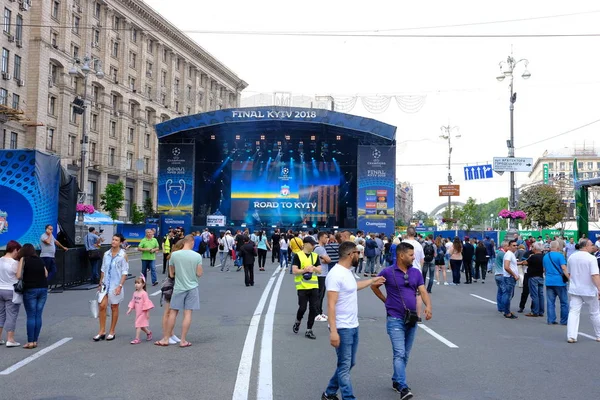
(244, 348)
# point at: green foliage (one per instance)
(471, 214)
(137, 216)
(420, 216)
(149, 208)
(543, 205)
(113, 198)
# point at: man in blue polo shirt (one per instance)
(555, 266)
(401, 285)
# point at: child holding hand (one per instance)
(142, 305)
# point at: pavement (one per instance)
(244, 348)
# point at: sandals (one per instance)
(98, 338)
(161, 344)
(149, 336)
(186, 344)
(29, 346)
(135, 341)
(111, 337)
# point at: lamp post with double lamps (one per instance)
(82, 68)
(447, 132)
(507, 69)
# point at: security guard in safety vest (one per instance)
(306, 265)
(167, 244)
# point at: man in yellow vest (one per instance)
(306, 265)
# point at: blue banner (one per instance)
(174, 221)
(133, 233)
(175, 178)
(29, 184)
(376, 188)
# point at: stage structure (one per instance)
(277, 167)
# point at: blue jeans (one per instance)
(283, 257)
(536, 291)
(346, 359)
(402, 338)
(500, 285)
(428, 266)
(149, 265)
(95, 270)
(34, 301)
(551, 293)
(50, 264)
(370, 268)
(507, 293)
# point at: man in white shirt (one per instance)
(342, 306)
(228, 248)
(511, 277)
(584, 286)
(323, 238)
(419, 255)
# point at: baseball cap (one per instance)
(309, 239)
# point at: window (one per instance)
(190, 71)
(71, 148)
(147, 140)
(92, 151)
(116, 23)
(14, 138)
(16, 100)
(128, 201)
(130, 135)
(4, 62)
(52, 105)
(165, 55)
(111, 156)
(132, 58)
(149, 91)
(189, 92)
(134, 35)
(76, 21)
(114, 101)
(145, 194)
(97, 9)
(96, 38)
(177, 63)
(129, 160)
(75, 84)
(146, 165)
(113, 129)
(17, 68)
(176, 106)
(590, 165)
(176, 86)
(561, 166)
(94, 122)
(115, 49)
(55, 9)
(75, 50)
(148, 69)
(92, 193)
(150, 46)
(550, 165)
(73, 116)
(163, 99)
(131, 82)
(49, 138)
(95, 93)
(189, 111)
(163, 78)
(113, 73)
(3, 96)
(54, 39)
(19, 28)
(580, 165)
(7, 18)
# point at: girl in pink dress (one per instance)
(142, 305)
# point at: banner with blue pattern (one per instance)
(175, 178)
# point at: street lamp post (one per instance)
(84, 70)
(447, 135)
(507, 68)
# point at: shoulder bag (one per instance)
(410, 317)
(19, 287)
(562, 274)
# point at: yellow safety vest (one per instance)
(301, 283)
(167, 245)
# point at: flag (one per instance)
(575, 172)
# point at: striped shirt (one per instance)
(333, 251)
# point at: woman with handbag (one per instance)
(34, 275)
(9, 306)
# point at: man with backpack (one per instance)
(429, 250)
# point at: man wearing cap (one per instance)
(306, 265)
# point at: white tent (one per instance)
(98, 218)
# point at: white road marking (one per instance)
(438, 336)
(265, 366)
(242, 382)
(483, 298)
(587, 336)
(156, 293)
(35, 356)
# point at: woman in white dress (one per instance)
(115, 268)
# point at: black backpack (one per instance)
(429, 252)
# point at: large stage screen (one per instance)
(275, 192)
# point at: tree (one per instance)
(543, 205)
(113, 198)
(137, 216)
(471, 214)
(452, 216)
(420, 216)
(149, 208)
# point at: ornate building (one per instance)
(150, 72)
(404, 202)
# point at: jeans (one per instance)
(322, 292)
(346, 359)
(455, 265)
(262, 258)
(307, 296)
(95, 270)
(536, 289)
(402, 338)
(428, 266)
(500, 285)
(50, 264)
(370, 269)
(283, 257)
(491, 263)
(507, 293)
(360, 265)
(575, 311)
(551, 293)
(149, 265)
(34, 301)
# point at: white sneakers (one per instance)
(174, 340)
(321, 318)
(12, 344)
(445, 283)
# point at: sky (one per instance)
(457, 75)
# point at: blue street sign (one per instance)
(474, 172)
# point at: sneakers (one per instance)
(326, 396)
(446, 284)
(321, 318)
(437, 283)
(296, 327)
(12, 344)
(174, 340)
(406, 394)
(309, 334)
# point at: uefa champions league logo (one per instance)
(175, 191)
(376, 154)
(176, 152)
(285, 171)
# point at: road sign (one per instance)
(545, 174)
(513, 164)
(449, 190)
(478, 172)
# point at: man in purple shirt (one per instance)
(402, 282)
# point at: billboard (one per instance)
(175, 178)
(376, 188)
(29, 187)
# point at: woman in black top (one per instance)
(481, 261)
(34, 274)
(535, 272)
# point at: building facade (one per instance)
(151, 71)
(559, 165)
(404, 202)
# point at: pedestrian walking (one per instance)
(141, 303)
(342, 304)
(456, 260)
(322, 239)
(428, 267)
(440, 261)
(262, 246)
(468, 251)
(584, 286)
(283, 252)
(305, 267)
(149, 247)
(511, 277)
(402, 282)
(48, 245)
(481, 262)
(248, 255)
(9, 305)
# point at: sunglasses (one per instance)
(406, 283)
